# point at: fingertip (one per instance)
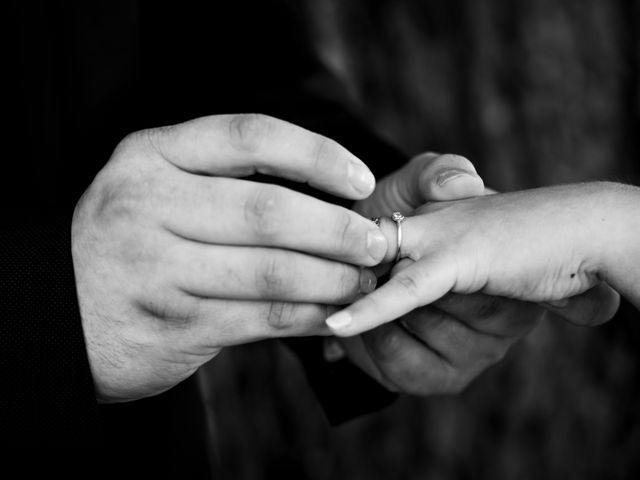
(340, 322)
(361, 179)
(452, 184)
(450, 177)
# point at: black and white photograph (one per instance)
(320, 240)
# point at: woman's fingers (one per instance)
(240, 145)
(419, 284)
(239, 212)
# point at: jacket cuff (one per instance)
(48, 397)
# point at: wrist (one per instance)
(617, 224)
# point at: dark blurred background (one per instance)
(534, 92)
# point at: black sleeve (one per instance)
(64, 67)
(48, 396)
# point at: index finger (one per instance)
(241, 145)
(420, 284)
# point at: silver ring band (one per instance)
(398, 218)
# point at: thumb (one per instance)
(428, 177)
(445, 177)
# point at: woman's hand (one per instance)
(539, 245)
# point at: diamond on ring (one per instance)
(398, 218)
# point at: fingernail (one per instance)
(361, 178)
(338, 321)
(376, 244)
(450, 175)
(333, 351)
(367, 281)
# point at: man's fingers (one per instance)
(240, 212)
(235, 322)
(240, 145)
(358, 354)
(593, 307)
(405, 363)
(499, 316)
(419, 284)
(253, 273)
(466, 349)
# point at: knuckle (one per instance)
(130, 141)
(409, 284)
(135, 141)
(348, 284)
(261, 212)
(323, 152)
(155, 139)
(116, 197)
(452, 380)
(402, 377)
(272, 277)
(247, 131)
(141, 143)
(385, 344)
(345, 235)
(171, 316)
(491, 355)
(281, 316)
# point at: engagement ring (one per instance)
(398, 218)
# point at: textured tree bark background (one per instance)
(534, 93)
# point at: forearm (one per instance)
(619, 219)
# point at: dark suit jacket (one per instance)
(83, 75)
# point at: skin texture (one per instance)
(442, 347)
(177, 257)
(542, 246)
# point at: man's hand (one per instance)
(441, 348)
(175, 258)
